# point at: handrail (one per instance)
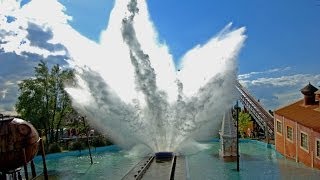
(266, 113)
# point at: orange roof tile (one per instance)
(308, 116)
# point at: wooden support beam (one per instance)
(43, 154)
(33, 169)
(25, 167)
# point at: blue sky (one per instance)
(280, 33)
(280, 56)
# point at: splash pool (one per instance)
(257, 161)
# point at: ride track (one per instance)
(150, 168)
(260, 115)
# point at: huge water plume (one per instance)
(134, 93)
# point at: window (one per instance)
(318, 148)
(279, 127)
(289, 133)
(304, 141)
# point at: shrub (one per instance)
(54, 148)
(99, 141)
(77, 145)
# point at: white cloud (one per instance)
(25, 38)
(276, 90)
(252, 74)
(47, 15)
(49, 12)
(284, 81)
(8, 6)
(8, 83)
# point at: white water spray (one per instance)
(137, 97)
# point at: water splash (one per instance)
(139, 98)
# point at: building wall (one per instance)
(279, 138)
(316, 160)
(304, 155)
(290, 144)
(292, 148)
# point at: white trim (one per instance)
(315, 148)
(281, 127)
(312, 159)
(307, 150)
(311, 149)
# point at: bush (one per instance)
(77, 145)
(100, 141)
(54, 148)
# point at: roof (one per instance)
(308, 89)
(308, 116)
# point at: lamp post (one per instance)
(237, 119)
(88, 143)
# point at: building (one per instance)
(297, 129)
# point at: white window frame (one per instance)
(305, 149)
(290, 140)
(281, 125)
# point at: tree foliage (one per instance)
(43, 100)
(244, 122)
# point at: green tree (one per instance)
(244, 122)
(43, 100)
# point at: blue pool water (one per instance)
(257, 161)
